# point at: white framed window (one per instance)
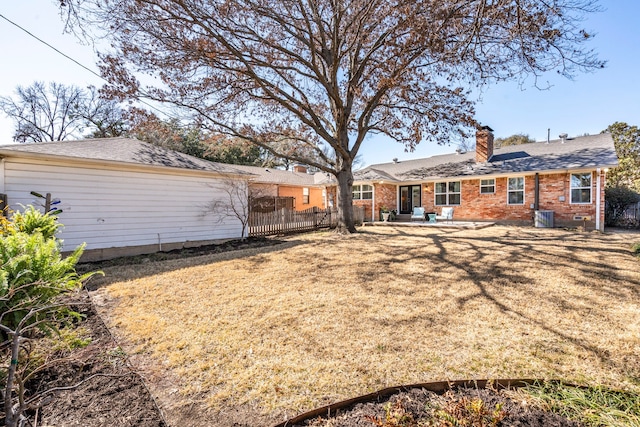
(487, 186)
(515, 191)
(362, 192)
(305, 195)
(448, 193)
(581, 188)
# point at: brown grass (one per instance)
(325, 317)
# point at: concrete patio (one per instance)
(464, 225)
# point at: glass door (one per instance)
(409, 198)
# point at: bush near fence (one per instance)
(630, 218)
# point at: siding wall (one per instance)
(108, 207)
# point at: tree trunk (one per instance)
(12, 415)
(345, 202)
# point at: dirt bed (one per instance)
(420, 407)
(109, 394)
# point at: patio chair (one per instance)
(418, 213)
(447, 215)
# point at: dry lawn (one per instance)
(321, 318)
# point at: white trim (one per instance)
(373, 204)
(488, 179)
(111, 165)
(361, 190)
(447, 193)
(510, 174)
(2, 187)
(598, 175)
(524, 192)
(571, 188)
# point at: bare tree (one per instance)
(106, 118)
(45, 113)
(56, 112)
(319, 76)
(235, 202)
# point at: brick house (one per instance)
(305, 190)
(563, 179)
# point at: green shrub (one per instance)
(32, 220)
(33, 274)
(33, 278)
(618, 199)
(635, 248)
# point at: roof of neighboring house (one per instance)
(576, 153)
(282, 177)
(119, 150)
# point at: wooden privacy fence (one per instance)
(632, 212)
(286, 221)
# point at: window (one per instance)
(305, 195)
(447, 193)
(581, 188)
(487, 186)
(515, 191)
(362, 192)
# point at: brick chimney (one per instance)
(484, 144)
(300, 168)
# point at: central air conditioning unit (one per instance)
(543, 219)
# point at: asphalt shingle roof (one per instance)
(121, 150)
(279, 176)
(576, 153)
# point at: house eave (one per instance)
(515, 173)
(70, 160)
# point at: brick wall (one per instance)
(387, 196)
(383, 195)
(484, 144)
(494, 207)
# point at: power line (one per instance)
(52, 47)
(74, 61)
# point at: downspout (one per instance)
(598, 201)
(326, 195)
(4, 199)
(2, 184)
(373, 202)
(536, 202)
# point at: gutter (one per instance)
(2, 184)
(598, 201)
(373, 203)
(537, 192)
(511, 174)
(21, 156)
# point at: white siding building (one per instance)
(123, 196)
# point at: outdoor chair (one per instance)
(418, 213)
(447, 215)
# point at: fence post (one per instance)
(315, 217)
(3, 204)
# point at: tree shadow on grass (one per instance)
(584, 260)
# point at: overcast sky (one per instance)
(588, 104)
